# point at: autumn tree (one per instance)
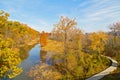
(115, 29)
(113, 40)
(3, 20)
(9, 59)
(67, 32)
(98, 41)
(43, 38)
(19, 32)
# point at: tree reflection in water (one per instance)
(24, 51)
(46, 57)
(43, 56)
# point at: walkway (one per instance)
(106, 71)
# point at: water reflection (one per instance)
(24, 51)
(43, 56)
(30, 56)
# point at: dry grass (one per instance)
(54, 46)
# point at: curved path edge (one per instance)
(105, 72)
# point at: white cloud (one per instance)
(97, 14)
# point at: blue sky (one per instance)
(91, 15)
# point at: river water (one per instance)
(30, 56)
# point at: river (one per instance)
(30, 56)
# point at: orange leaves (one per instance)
(43, 38)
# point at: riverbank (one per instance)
(32, 42)
(53, 46)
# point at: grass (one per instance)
(53, 46)
(32, 42)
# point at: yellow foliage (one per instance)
(71, 61)
(98, 41)
(44, 72)
(9, 59)
(54, 46)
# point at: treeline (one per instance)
(112, 47)
(18, 32)
(13, 34)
